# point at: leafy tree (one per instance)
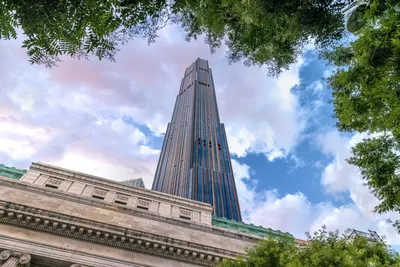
(78, 28)
(259, 32)
(269, 252)
(331, 249)
(327, 249)
(379, 161)
(366, 98)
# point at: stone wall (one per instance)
(113, 192)
(99, 232)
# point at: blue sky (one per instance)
(108, 119)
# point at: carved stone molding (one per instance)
(81, 265)
(136, 212)
(97, 232)
(11, 258)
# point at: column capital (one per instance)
(11, 258)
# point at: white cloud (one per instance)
(261, 113)
(146, 150)
(341, 177)
(100, 167)
(45, 120)
(290, 213)
(295, 214)
(328, 72)
(79, 107)
(317, 87)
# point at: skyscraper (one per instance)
(194, 161)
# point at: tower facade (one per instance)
(195, 161)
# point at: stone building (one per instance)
(54, 217)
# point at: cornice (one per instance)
(131, 211)
(56, 252)
(101, 182)
(101, 233)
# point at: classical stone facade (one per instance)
(61, 218)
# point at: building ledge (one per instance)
(111, 235)
(223, 231)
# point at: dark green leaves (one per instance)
(270, 33)
(8, 24)
(366, 98)
(270, 252)
(78, 28)
(366, 90)
(379, 161)
(258, 32)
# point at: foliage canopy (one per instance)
(366, 98)
(259, 32)
(323, 249)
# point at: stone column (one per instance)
(79, 265)
(10, 258)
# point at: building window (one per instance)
(204, 84)
(143, 204)
(99, 193)
(185, 214)
(53, 183)
(121, 199)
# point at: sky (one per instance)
(109, 119)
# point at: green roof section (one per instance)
(11, 172)
(248, 228)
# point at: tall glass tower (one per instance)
(194, 161)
